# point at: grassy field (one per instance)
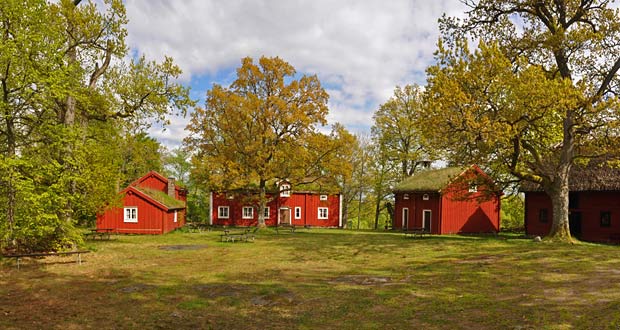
(317, 279)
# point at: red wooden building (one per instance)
(448, 201)
(152, 204)
(286, 207)
(594, 206)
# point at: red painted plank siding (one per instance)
(590, 205)
(469, 216)
(416, 206)
(308, 202)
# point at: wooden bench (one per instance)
(229, 236)
(18, 257)
(286, 228)
(102, 233)
(415, 232)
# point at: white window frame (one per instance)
(285, 190)
(220, 213)
(249, 215)
(133, 216)
(266, 212)
(175, 216)
(323, 197)
(425, 197)
(473, 188)
(297, 213)
(326, 215)
(405, 218)
(405, 196)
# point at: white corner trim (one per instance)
(211, 208)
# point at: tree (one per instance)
(394, 130)
(68, 90)
(263, 128)
(538, 96)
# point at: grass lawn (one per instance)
(317, 279)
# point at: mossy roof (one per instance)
(586, 179)
(430, 180)
(163, 198)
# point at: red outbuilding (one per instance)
(448, 201)
(593, 203)
(285, 207)
(153, 204)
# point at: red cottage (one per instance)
(593, 202)
(152, 204)
(288, 207)
(448, 201)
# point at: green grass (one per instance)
(318, 279)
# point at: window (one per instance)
(298, 212)
(175, 216)
(425, 197)
(131, 214)
(323, 197)
(605, 219)
(248, 212)
(406, 196)
(543, 216)
(473, 188)
(222, 212)
(285, 190)
(266, 212)
(323, 213)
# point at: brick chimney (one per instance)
(171, 187)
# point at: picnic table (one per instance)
(230, 236)
(19, 256)
(415, 232)
(287, 227)
(102, 233)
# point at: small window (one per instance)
(222, 212)
(266, 212)
(425, 197)
(298, 212)
(323, 197)
(175, 216)
(285, 190)
(543, 216)
(131, 214)
(406, 196)
(473, 188)
(323, 213)
(605, 219)
(248, 212)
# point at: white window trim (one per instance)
(473, 188)
(250, 216)
(266, 212)
(175, 216)
(219, 212)
(285, 190)
(297, 213)
(405, 196)
(326, 213)
(430, 220)
(425, 197)
(405, 220)
(133, 218)
(323, 197)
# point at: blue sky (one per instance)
(360, 50)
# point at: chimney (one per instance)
(171, 187)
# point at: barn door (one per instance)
(426, 220)
(284, 217)
(405, 218)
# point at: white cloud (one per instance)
(360, 50)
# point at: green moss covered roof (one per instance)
(163, 198)
(431, 180)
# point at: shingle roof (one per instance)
(431, 180)
(586, 179)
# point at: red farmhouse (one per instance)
(593, 202)
(288, 207)
(152, 204)
(448, 201)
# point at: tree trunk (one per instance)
(262, 204)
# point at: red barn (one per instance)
(152, 204)
(593, 202)
(290, 207)
(448, 201)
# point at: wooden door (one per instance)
(285, 216)
(426, 220)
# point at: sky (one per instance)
(359, 49)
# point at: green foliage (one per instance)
(512, 213)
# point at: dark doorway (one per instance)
(574, 222)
